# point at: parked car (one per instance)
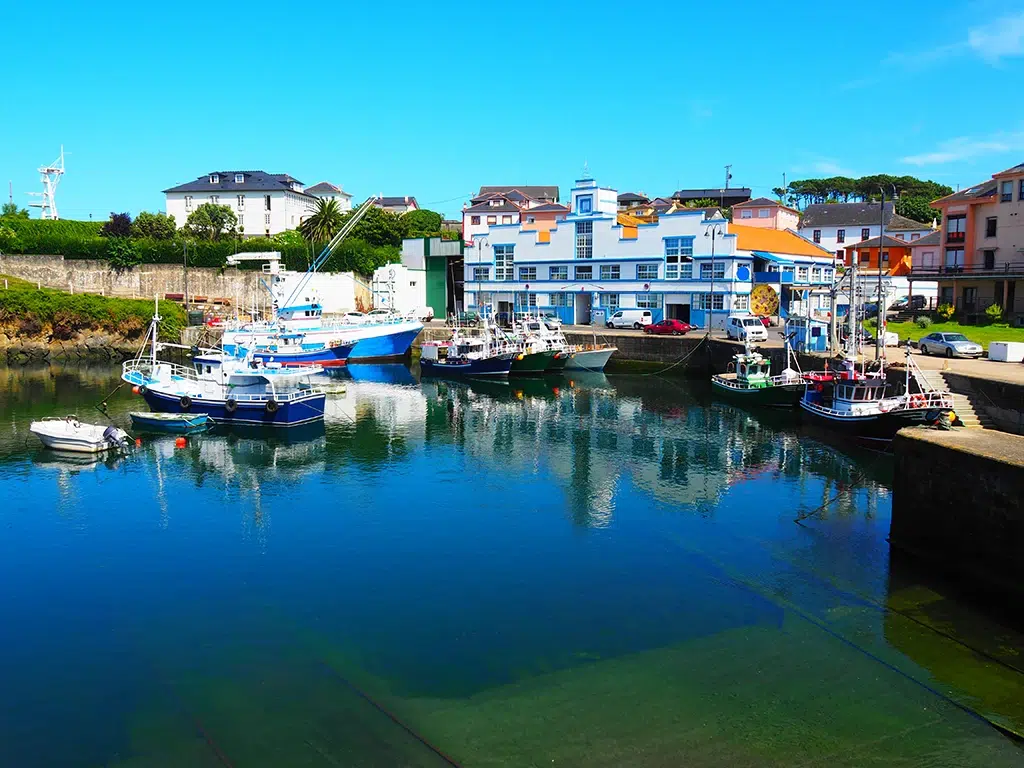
(551, 320)
(950, 345)
(908, 302)
(630, 318)
(745, 328)
(668, 326)
(765, 320)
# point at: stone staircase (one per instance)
(968, 408)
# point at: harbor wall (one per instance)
(142, 282)
(1002, 401)
(957, 503)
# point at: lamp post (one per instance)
(481, 243)
(880, 325)
(713, 232)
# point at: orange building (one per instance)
(895, 256)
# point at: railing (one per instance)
(956, 237)
(973, 270)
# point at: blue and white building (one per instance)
(597, 261)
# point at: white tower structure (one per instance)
(50, 176)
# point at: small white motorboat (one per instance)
(69, 434)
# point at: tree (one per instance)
(122, 254)
(8, 239)
(158, 226)
(324, 223)
(380, 227)
(119, 225)
(917, 208)
(422, 222)
(10, 210)
(210, 221)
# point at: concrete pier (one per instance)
(958, 503)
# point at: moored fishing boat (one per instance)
(750, 380)
(466, 356)
(295, 349)
(171, 423)
(578, 357)
(67, 433)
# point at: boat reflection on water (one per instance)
(390, 373)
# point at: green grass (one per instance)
(982, 334)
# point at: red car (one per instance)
(672, 327)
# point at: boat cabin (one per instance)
(752, 370)
(309, 308)
(208, 368)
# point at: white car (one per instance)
(745, 328)
(630, 318)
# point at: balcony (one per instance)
(774, 277)
(956, 237)
(998, 271)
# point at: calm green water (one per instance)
(603, 572)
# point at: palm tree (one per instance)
(324, 223)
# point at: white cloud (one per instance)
(967, 147)
(1000, 39)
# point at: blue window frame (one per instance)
(584, 273)
(527, 273)
(677, 250)
(503, 256)
(646, 271)
(648, 301)
(481, 274)
(585, 204)
(558, 273)
(610, 271)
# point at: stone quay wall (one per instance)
(142, 282)
(1002, 401)
(958, 503)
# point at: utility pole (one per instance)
(184, 261)
(880, 325)
(728, 175)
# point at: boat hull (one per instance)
(532, 363)
(778, 396)
(494, 367)
(589, 359)
(559, 361)
(325, 357)
(872, 427)
(73, 445)
(188, 424)
(385, 346)
(289, 413)
(371, 342)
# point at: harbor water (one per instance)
(587, 571)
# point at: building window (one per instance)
(527, 273)
(719, 270)
(954, 257)
(474, 220)
(885, 257)
(710, 271)
(188, 202)
(266, 202)
(481, 274)
(584, 239)
(609, 271)
(686, 270)
(492, 220)
(560, 299)
(503, 255)
(840, 235)
(705, 270)
(764, 213)
(215, 199)
(214, 178)
(956, 229)
(584, 273)
(531, 299)
(266, 220)
(901, 237)
(1006, 192)
(677, 251)
(815, 274)
(1020, 192)
(610, 301)
(746, 213)
(506, 219)
(531, 219)
(742, 302)
(558, 273)
(705, 301)
(914, 236)
(584, 204)
(801, 274)
(865, 233)
(239, 178)
(646, 271)
(241, 202)
(990, 226)
(826, 274)
(865, 256)
(989, 259)
(817, 235)
(840, 255)
(648, 300)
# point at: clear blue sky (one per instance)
(434, 100)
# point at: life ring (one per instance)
(143, 389)
(272, 405)
(917, 401)
(231, 405)
(185, 402)
(730, 367)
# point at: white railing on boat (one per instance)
(771, 381)
(144, 373)
(916, 402)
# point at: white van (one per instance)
(630, 318)
(745, 328)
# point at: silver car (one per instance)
(949, 344)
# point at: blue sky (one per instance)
(434, 100)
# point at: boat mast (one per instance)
(153, 326)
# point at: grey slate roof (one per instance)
(255, 181)
(729, 196)
(902, 224)
(887, 242)
(1015, 169)
(632, 197)
(549, 208)
(326, 188)
(985, 189)
(394, 202)
(934, 238)
(487, 208)
(844, 214)
(537, 193)
(759, 201)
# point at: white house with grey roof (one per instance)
(327, 191)
(838, 226)
(265, 203)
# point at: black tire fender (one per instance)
(231, 405)
(272, 405)
(185, 402)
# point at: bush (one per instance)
(8, 239)
(945, 311)
(923, 321)
(122, 254)
(120, 225)
(993, 313)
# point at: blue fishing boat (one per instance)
(295, 349)
(465, 356)
(227, 389)
(171, 423)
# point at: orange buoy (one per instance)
(135, 390)
(555, 390)
(179, 442)
(138, 442)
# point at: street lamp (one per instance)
(880, 325)
(714, 231)
(481, 243)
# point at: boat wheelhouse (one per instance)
(750, 380)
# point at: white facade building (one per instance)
(838, 226)
(339, 292)
(399, 288)
(327, 191)
(265, 203)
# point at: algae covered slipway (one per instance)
(597, 571)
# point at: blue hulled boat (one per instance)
(294, 349)
(465, 356)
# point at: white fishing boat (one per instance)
(67, 433)
(580, 357)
